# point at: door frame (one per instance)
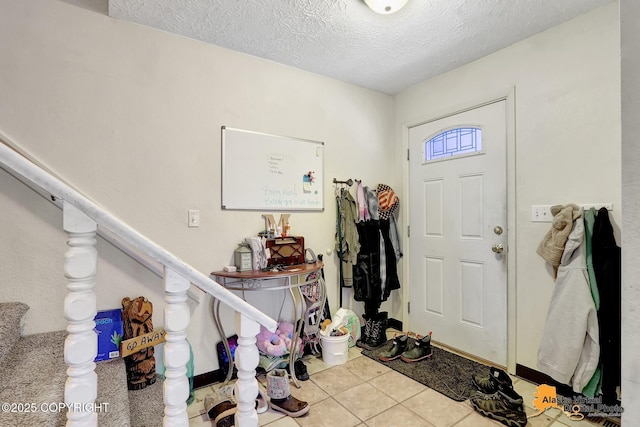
(433, 114)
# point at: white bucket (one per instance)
(335, 350)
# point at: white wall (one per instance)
(131, 116)
(630, 46)
(567, 137)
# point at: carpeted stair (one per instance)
(32, 371)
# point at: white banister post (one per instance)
(176, 350)
(246, 360)
(81, 345)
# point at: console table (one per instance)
(290, 279)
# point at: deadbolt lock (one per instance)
(498, 230)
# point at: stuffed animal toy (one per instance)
(285, 332)
(270, 343)
(325, 323)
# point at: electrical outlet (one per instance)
(194, 218)
(541, 213)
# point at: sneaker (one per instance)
(505, 406)
(489, 384)
(396, 348)
(421, 350)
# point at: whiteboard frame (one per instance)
(234, 164)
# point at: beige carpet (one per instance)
(33, 371)
(146, 405)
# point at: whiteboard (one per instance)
(270, 172)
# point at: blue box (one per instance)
(110, 332)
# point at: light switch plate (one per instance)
(194, 218)
(541, 213)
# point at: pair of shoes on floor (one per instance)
(420, 350)
(496, 398)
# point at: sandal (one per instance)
(261, 403)
(220, 409)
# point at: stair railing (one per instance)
(81, 220)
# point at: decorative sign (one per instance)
(141, 342)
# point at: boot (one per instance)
(378, 335)
(366, 334)
(280, 395)
(421, 350)
(396, 348)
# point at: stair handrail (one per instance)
(13, 161)
(143, 259)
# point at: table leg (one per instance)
(294, 339)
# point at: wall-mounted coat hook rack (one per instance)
(348, 182)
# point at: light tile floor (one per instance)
(365, 393)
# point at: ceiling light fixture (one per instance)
(386, 7)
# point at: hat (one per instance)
(552, 245)
(388, 201)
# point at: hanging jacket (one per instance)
(367, 285)
(593, 386)
(347, 242)
(607, 266)
(388, 263)
(570, 346)
(394, 234)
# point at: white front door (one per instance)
(458, 234)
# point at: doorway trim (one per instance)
(508, 95)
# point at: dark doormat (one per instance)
(444, 372)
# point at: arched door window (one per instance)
(459, 141)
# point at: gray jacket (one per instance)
(570, 350)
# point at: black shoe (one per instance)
(300, 370)
(490, 384)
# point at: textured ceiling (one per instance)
(345, 40)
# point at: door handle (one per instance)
(497, 248)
